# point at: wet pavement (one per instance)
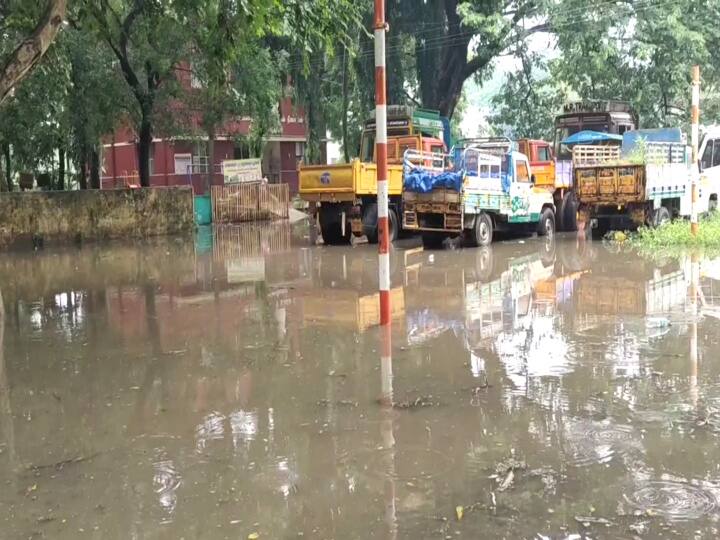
(237, 384)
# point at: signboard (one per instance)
(237, 171)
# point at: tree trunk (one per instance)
(81, 160)
(94, 167)
(346, 150)
(211, 158)
(61, 169)
(143, 148)
(29, 52)
(8, 166)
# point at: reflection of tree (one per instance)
(6, 421)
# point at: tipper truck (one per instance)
(648, 184)
(345, 195)
(483, 187)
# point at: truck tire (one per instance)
(393, 223)
(331, 228)
(482, 232)
(660, 215)
(369, 221)
(568, 212)
(546, 227)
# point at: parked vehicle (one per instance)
(489, 187)
(345, 195)
(626, 191)
(554, 171)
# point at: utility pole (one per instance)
(381, 158)
(695, 136)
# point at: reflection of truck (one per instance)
(648, 189)
(346, 194)
(491, 189)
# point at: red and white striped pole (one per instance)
(695, 138)
(381, 158)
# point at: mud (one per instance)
(237, 383)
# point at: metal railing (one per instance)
(234, 203)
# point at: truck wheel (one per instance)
(568, 213)
(482, 232)
(660, 215)
(369, 221)
(331, 227)
(546, 227)
(370, 228)
(393, 224)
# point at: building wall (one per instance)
(61, 216)
(120, 163)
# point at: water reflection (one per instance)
(241, 384)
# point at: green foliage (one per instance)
(677, 233)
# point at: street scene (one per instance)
(351, 269)
(233, 385)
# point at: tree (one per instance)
(148, 39)
(22, 60)
(235, 72)
(640, 53)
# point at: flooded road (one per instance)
(236, 384)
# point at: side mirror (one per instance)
(532, 179)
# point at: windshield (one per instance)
(564, 152)
(367, 147)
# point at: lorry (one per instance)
(648, 185)
(552, 164)
(345, 195)
(485, 186)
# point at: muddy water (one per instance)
(232, 385)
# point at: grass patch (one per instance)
(677, 233)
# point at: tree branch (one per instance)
(32, 49)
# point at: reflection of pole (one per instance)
(381, 159)
(695, 135)
(387, 429)
(694, 290)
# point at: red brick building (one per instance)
(184, 161)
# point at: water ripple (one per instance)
(675, 501)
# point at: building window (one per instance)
(183, 163)
(299, 150)
(200, 158)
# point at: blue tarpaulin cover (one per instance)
(591, 137)
(664, 135)
(421, 181)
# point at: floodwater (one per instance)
(237, 384)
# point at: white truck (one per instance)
(488, 188)
(650, 188)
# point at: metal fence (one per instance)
(250, 202)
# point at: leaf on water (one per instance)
(459, 512)
(507, 482)
(253, 536)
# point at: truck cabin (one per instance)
(615, 117)
(407, 129)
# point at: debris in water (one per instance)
(586, 521)
(338, 402)
(657, 322)
(418, 402)
(459, 512)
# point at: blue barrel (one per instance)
(203, 210)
